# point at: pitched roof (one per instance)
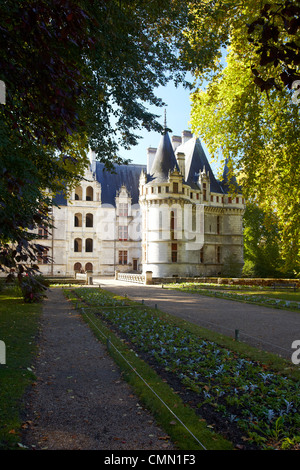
(127, 175)
(195, 162)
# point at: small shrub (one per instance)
(33, 288)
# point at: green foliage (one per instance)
(78, 74)
(33, 288)
(231, 267)
(257, 131)
(261, 243)
(19, 326)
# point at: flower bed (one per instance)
(262, 404)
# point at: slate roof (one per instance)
(59, 199)
(128, 175)
(195, 162)
(164, 160)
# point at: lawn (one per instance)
(254, 401)
(18, 330)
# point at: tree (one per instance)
(261, 243)
(276, 38)
(78, 74)
(257, 131)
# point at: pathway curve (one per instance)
(80, 400)
(270, 329)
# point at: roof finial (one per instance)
(165, 123)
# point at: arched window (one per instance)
(78, 220)
(89, 193)
(78, 193)
(89, 267)
(77, 245)
(77, 267)
(89, 245)
(89, 220)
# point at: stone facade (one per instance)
(171, 217)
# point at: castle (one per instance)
(171, 217)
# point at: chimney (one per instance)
(150, 158)
(181, 162)
(186, 135)
(176, 141)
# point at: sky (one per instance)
(178, 111)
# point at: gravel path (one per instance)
(266, 328)
(80, 401)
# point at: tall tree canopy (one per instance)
(78, 74)
(261, 243)
(247, 111)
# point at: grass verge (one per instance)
(18, 329)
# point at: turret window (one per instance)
(174, 252)
(218, 254)
(218, 224)
(173, 225)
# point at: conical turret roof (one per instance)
(164, 160)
